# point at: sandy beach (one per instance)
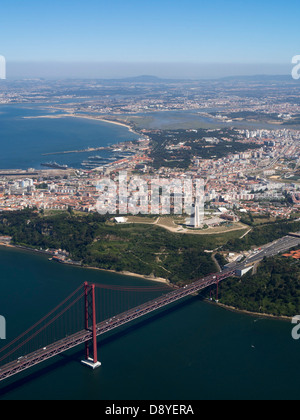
(87, 117)
(129, 274)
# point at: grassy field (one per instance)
(96, 241)
(140, 248)
(174, 224)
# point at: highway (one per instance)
(270, 250)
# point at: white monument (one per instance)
(197, 216)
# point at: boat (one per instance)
(89, 164)
(54, 165)
(95, 157)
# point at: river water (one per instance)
(193, 350)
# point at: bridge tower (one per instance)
(90, 325)
(217, 298)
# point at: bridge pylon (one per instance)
(90, 325)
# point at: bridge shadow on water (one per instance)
(76, 356)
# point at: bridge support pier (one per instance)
(90, 316)
(90, 363)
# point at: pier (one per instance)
(90, 149)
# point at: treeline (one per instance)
(263, 234)
(181, 158)
(95, 241)
(141, 249)
(62, 231)
(273, 290)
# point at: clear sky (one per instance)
(151, 31)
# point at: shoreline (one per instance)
(73, 264)
(129, 274)
(253, 314)
(154, 279)
(88, 117)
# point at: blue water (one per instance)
(173, 120)
(24, 141)
(192, 350)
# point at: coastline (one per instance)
(150, 278)
(253, 314)
(88, 117)
(129, 274)
(73, 264)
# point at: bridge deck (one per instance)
(83, 336)
(276, 247)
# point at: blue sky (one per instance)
(155, 31)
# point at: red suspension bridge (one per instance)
(90, 311)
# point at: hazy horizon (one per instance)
(167, 39)
(119, 70)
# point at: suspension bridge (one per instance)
(89, 312)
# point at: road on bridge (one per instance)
(27, 361)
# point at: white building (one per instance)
(197, 216)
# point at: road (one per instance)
(270, 250)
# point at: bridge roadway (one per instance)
(81, 337)
(39, 356)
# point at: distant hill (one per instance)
(142, 79)
(260, 78)
(251, 78)
(149, 79)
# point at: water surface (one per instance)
(193, 350)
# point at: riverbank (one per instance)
(253, 314)
(145, 277)
(129, 274)
(77, 264)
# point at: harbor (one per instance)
(89, 149)
(54, 165)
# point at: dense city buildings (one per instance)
(263, 180)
